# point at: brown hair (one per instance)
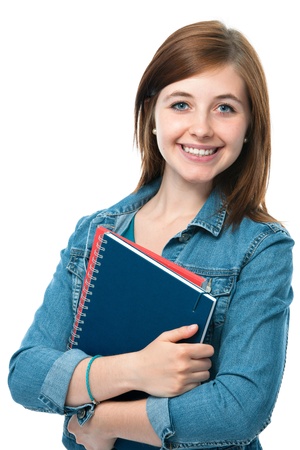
(191, 50)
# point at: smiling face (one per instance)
(201, 123)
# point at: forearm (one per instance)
(126, 420)
(108, 377)
(163, 369)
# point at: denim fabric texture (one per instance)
(248, 269)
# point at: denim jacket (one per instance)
(248, 269)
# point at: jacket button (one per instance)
(184, 237)
(81, 414)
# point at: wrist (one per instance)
(130, 372)
(104, 414)
(124, 372)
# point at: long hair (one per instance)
(195, 49)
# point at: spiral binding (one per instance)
(87, 290)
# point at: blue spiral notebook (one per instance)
(129, 298)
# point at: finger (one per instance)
(178, 334)
(197, 378)
(198, 365)
(200, 351)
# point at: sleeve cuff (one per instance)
(53, 393)
(159, 417)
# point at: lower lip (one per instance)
(196, 158)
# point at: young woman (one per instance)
(203, 129)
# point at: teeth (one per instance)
(198, 152)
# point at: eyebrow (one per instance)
(178, 94)
(187, 95)
(230, 96)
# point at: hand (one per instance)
(90, 435)
(166, 368)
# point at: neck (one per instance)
(179, 199)
(167, 213)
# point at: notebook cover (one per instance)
(129, 299)
(191, 276)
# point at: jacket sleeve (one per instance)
(235, 406)
(41, 369)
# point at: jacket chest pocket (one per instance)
(222, 288)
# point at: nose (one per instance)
(200, 125)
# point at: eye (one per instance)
(224, 108)
(180, 106)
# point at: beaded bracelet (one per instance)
(87, 378)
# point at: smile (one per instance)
(199, 151)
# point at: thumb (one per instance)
(179, 333)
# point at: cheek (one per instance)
(168, 125)
(166, 135)
(234, 139)
(235, 136)
(235, 151)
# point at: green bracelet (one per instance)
(87, 377)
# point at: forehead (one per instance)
(214, 82)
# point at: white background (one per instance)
(68, 76)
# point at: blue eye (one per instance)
(180, 106)
(225, 108)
